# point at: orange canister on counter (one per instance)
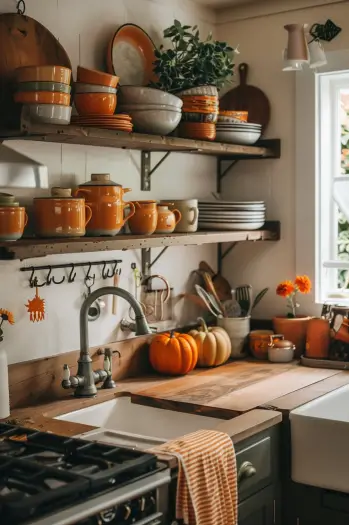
(318, 339)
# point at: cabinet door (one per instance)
(259, 509)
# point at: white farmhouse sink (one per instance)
(122, 416)
(320, 439)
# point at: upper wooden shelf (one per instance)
(117, 139)
(31, 248)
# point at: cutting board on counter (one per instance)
(237, 387)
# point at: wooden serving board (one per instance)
(235, 388)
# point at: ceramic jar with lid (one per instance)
(61, 215)
(13, 218)
(167, 219)
(145, 219)
(281, 351)
(105, 199)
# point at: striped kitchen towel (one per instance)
(207, 491)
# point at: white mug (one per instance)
(190, 215)
(317, 54)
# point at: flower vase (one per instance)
(4, 387)
(294, 329)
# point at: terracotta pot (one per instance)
(318, 339)
(167, 219)
(105, 198)
(13, 220)
(61, 216)
(145, 219)
(294, 329)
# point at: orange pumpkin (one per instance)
(173, 354)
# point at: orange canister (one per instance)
(318, 339)
(145, 219)
(61, 215)
(13, 220)
(105, 198)
(167, 219)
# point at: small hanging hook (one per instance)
(105, 272)
(72, 275)
(33, 281)
(21, 7)
(88, 276)
(89, 286)
(50, 280)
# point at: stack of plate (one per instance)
(238, 133)
(114, 122)
(231, 215)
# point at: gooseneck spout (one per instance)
(86, 379)
(141, 322)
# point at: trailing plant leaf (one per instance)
(191, 62)
(259, 297)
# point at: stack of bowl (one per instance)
(95, 92)
(199, 118)
(152, 110)
(232, 116)
(13, 218)
(235, 131)
(45, 93)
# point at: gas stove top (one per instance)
(46, 475)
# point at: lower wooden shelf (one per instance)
(31, 248)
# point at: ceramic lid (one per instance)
(100, 179)
(61, 192)
(282, 344)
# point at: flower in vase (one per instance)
(285, 288)
(5, 315)
(289, 290)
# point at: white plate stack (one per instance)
(231, 215)
(244, 133)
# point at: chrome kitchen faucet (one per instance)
(84, 383)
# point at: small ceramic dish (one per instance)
(124, 108)
(43, 74)
(156, 121)
(47, 113)
(129, 95)
(42, 97)
(56, 87)
(92, 76)
(81, 87)
(95, 103)
(238, 115)
(246, 138)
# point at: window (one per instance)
(322, 179)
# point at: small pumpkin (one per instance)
(214, 345)
(173, 353)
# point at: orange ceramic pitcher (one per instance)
(167, 219)
(145, 219)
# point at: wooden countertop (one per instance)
(237, 392)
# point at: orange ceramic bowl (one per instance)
(95, 103)
(92, 76)
(193, 130)
(239, 115)
(13, 220)
(42, 97)
(43, 74)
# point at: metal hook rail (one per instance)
(50, 279)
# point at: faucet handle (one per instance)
(107, 365)
(66, 373)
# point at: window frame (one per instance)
(307, 203)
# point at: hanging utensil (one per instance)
(232, 307)
(209, 301)
(244, 298)
(221, 284)
(94, 311)
(210, 287)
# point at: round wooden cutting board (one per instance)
(23, 42)
(247, 98)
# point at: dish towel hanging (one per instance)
(207, 488)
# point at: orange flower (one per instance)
(5, 315)
(303, 283)
(285, 288)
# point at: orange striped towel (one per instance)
(207, 492)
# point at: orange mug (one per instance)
(61, 217)
(13, 220)
(145, 218)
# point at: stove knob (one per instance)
(128, 512)
(142, 503)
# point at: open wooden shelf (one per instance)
(30, 248)
(136, 141)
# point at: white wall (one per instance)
(84, 27)
(261, 40)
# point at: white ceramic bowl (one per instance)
(47, 113)
(246, 138)
(139, 107)
(281, 355)
(146, 95)
(155, 121)
(81, 87)
(208, 91)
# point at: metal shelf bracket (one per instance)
(222, 173)
(147, 263)
(223, 253)
(147, 171)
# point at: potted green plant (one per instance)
(192, 66)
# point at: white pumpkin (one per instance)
(214, 345)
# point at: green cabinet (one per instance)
(260, 509)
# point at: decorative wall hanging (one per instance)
(36, 308)
(326, 32)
